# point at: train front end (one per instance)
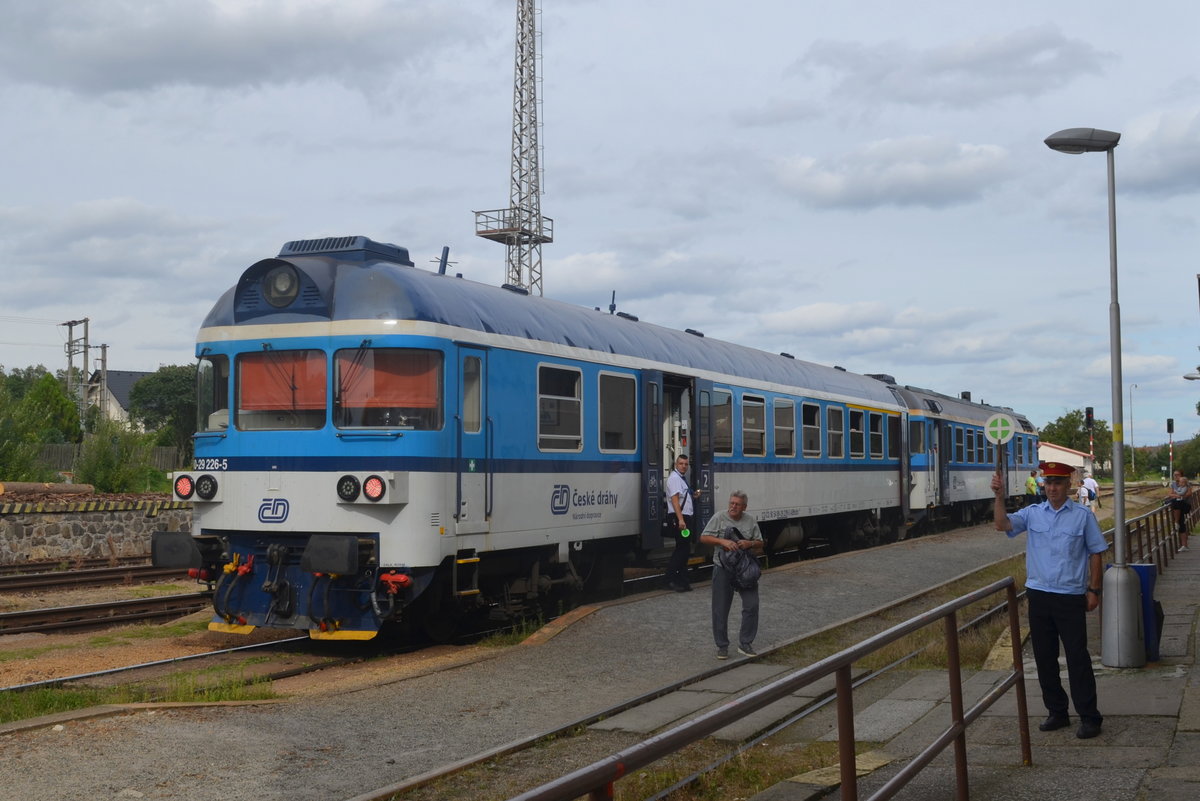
(318, 496)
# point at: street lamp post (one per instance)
(1132, 447)
(1123, 640)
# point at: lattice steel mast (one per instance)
(521, 226)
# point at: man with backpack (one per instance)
(735, 536)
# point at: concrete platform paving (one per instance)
(1149, 749)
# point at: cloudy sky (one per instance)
(861, 184)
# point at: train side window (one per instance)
(857, 435)
(958, 445)
(394, 388)
(212, 393)
(472, 368)
(916, 437)
(811, 433)
(785, 427)
(875, 422)
(281, 389)
(980, 443)
(754, 426)
(837, 432)
(560, 414)
(618, 413)
(893, 433)
(722, 423)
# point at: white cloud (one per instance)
(916, 171)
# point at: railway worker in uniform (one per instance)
(679, 520)
(747, 536)
(1062, 583)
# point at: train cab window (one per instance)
(618, 413)
(722, 423)
(875, 422)
(754, 426)
(472, 390)
(835, 416)
(959, 456)
(811, 429)
(560, 417)
(281, 389)
(858, 445)
(916, 436)
(893, 434)
(388, 388)
(785, 427)
(212, 393)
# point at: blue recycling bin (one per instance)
(1147, 575)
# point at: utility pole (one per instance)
(77, 345)
(103, 394)
(521, 227)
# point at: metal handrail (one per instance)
(596, 780)
(1153, 538)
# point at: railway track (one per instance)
(80, 563)
(102, 614)
(92, 577)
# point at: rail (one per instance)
(596, 780)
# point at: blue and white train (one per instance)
(381, 443)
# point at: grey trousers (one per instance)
(722, 600)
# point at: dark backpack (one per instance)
(742, 566)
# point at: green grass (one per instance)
(183, 688)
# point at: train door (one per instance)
(652, 459)
(702, 452)
(473, 481)
(944, 449)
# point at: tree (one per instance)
(19, 447)
(1070, 431)
(49, 413)
(165, 401)
(19, 380)
(116, 459)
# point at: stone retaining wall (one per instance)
(41, 531)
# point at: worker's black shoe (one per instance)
(1055, 722)
(1087, 730)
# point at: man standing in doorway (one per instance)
(679, 524)
(1062, 584)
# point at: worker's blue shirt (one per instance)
(1058, 545)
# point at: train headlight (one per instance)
(206, 487)
(184, 486)
(373, 488)
(347, 488)
(281, 285)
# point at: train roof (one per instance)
(929, 400)
(355, 278)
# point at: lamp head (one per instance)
(1083, 140)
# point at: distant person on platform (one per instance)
(730, 530)
(1063, 582)
(679, 521)
(1041, 480)
(1093, 488)
(1082, 496)
(1177, 494)
(1031, 488)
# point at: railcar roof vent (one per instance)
(786, 355)
(627, 316)
(933, 406)
(965, 396)
(694, 332)
(884, 377)
(520, 290)
(360, 247)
